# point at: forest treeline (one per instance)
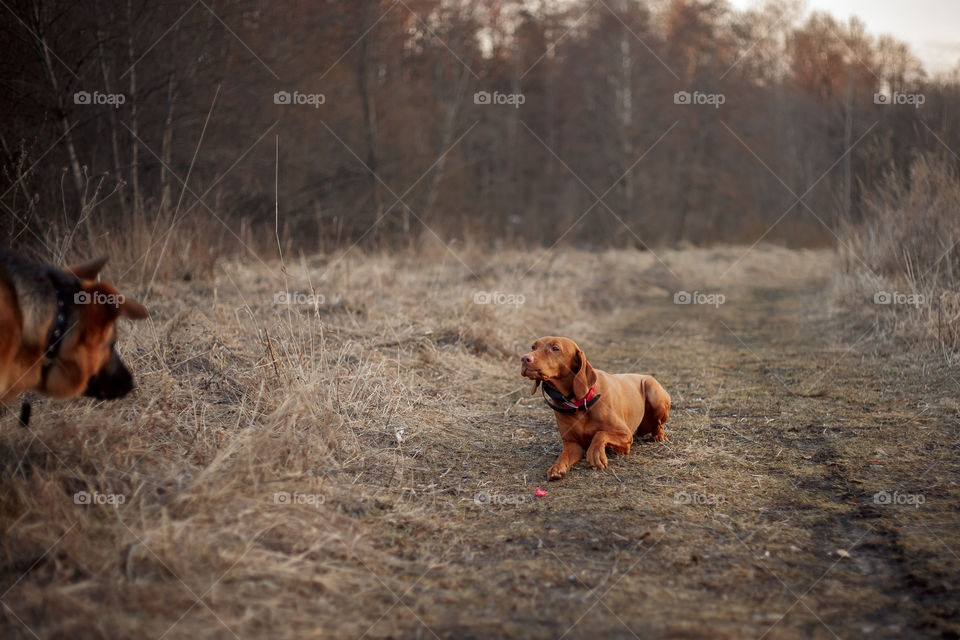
(318, 124)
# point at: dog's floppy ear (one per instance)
(536, 383)
(584, 376)
(89, 270)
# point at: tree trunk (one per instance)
(75, 168)
(625, 111)
(847, 141)
(166, 147)
(369, 108)
(134, 126)
(114, 125)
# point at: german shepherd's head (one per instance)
(87, 360)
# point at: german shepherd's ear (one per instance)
(584, 376)
(89, 270)
(536, 383)
(114, 303)
(133, 310)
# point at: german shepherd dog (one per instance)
(57, 331)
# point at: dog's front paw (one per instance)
(556, 472)
(597, 457)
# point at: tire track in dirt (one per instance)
(819, 385)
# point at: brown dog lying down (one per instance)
(58, 330)
(594, 409)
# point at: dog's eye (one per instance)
(555, 348)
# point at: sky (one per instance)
(930, 27)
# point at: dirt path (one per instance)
(757, 519)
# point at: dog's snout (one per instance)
(527, 359)
(112, 382)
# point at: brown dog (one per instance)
(594, 409)
(57, 330)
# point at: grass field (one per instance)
(364, 464)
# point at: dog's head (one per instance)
(560, 362)
(87, 361)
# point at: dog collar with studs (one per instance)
(65, 290)
(563, 404)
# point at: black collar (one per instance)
(563, 404)
(66, 288)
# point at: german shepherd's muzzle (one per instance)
(112, 381)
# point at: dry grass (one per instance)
(390, 407)
(909, 247)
